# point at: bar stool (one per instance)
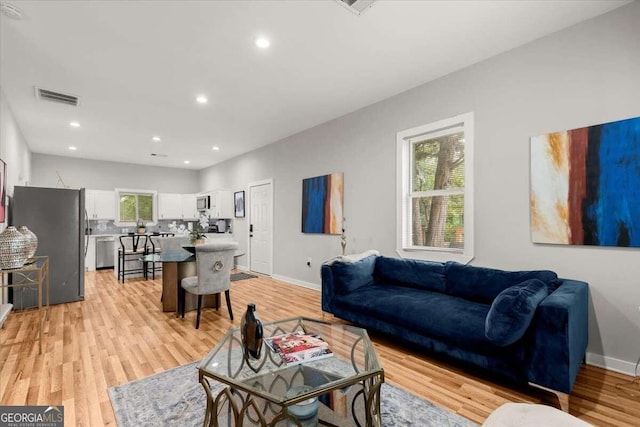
(154, 249)
(133, 247)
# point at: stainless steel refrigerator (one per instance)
(57, 217)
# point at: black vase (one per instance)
(251, 331)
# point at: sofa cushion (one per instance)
(512, 311)
(410, 272)
(457, 321)
(484, 284)
(350, 276)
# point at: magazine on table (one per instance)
(298, 347)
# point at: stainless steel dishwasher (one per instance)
(104, 252)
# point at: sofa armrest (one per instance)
(345, 274)
(559, 336)
(328, 288)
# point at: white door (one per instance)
(260, 228)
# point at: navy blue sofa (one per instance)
(526, 326)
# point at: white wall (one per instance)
(581, 76)
(102, 175)
(15, 153)
(13, 149)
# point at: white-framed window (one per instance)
(435, 190)
(136, 205)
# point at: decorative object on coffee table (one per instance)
(251, 331)
(305, 412)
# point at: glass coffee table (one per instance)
(341, 390)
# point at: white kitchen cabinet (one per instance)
(189, 208)
(169, 206)
(177, 206)
(221, 204)
(90, 203)
(100, 204)
(105, 206)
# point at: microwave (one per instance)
(203, 203)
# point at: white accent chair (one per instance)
(531, 415)
(214, 262)
(173, 243)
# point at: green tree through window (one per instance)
(437, 191)
(136, 206)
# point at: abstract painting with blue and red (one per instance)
(322, 199)
(585, 185)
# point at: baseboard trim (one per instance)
(302, 283)
(611, 363)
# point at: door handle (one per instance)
(250, 228)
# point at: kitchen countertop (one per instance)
(209, 235)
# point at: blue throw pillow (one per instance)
(350, 276)
(481, 284)
(512, 311)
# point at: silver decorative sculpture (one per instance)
(343, 237)
(13, 248)
(32, 240)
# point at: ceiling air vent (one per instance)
(357, 6)
(49, 95)
(10, 10)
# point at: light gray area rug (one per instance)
(241, 276)
(176, 398)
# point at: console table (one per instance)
(36, 274)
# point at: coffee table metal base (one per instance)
(358, 407)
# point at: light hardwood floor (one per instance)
(119, 333)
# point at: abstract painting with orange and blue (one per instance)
(585, 185)
(322, 198)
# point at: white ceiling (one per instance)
(137, 67)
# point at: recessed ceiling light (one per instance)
(74, 124)
(216, 148)
(72, 148)
(186, 162)
(263, 42)
(201, 99)
(156, 138)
